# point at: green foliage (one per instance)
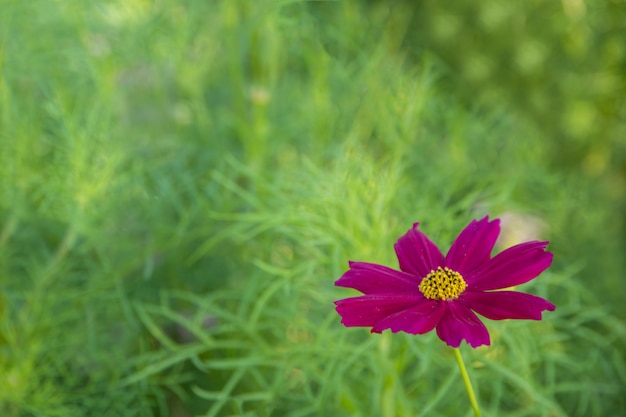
(182, 183)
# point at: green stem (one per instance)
(466, 380)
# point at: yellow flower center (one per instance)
(443, 284)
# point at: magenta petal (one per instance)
(500, 305)
(417, 254)
(371, 278)
(514, 266)
(473, 246)
(367, 310)
(416, 320)
(460, 323)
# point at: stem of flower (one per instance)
(466, 380)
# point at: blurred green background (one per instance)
(183, 181)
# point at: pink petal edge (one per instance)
(416, 253)
(473, 245)
(502, 305)
(377, 279)
(367, 310)
(514, 266)
(460, 323)
(419, 319)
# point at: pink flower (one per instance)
(435, 292)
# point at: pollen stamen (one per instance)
(442, 284)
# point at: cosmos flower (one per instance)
(433, 291)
